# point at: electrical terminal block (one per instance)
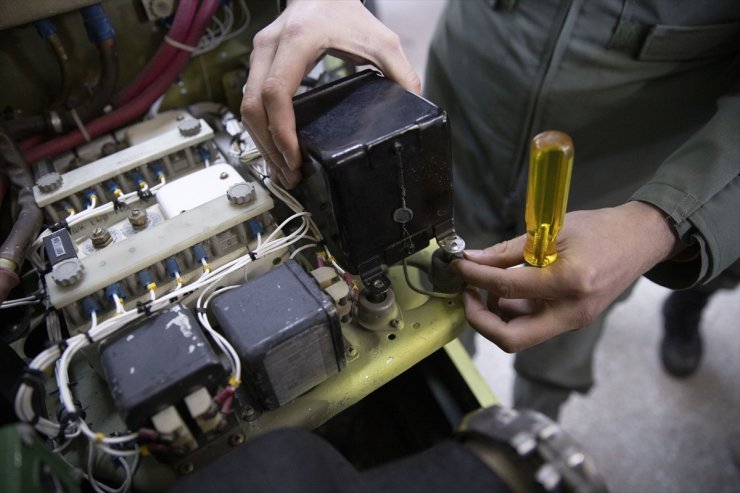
(336, 288)
(325, 276)
(90, 306)
(201, 407)
(168, 150)
(340, 292)
(204, 154)
(168, 422)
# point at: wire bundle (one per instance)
(125, 446)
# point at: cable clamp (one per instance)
(59, 225)
(32, 377)
(80, 125)
(144, 195)
(144, 307)
(67, 418)
(252, 255)
(178, 45)
(89, 338)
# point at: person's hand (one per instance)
(286, 50)
(600, 253)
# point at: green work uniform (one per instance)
(649, 90)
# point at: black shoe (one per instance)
(681, 347)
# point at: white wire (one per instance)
(300, 249)
(220, 340)
(306, 230)
(129, 470)
(119, 304)
(213, 38)
(14, 303)
(89, 213)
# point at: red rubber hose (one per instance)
(178, 32)
(140, 104)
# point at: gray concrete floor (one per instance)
(647, 431)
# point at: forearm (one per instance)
(652, 238)
(698, 187)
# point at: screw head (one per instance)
(185, 468)
(236, 439)
(249, 414)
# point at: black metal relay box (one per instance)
(158, 363)
(376, 162)
(286, 332)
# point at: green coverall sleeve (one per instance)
(698, 188)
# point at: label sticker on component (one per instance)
(58, 246)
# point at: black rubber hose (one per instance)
(29, 220)
(91, 108)
(103, 93)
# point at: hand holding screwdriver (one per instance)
(600, 253)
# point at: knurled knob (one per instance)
(189, 127)
(241, 193)
(68, 272)
(49, 182)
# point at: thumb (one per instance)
(505, 254)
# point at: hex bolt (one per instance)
(138, 219)
(108, 148)
(236, 439)
(378, 284)
(101, 238)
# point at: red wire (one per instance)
(178, 32)
(140, 104)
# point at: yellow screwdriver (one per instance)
(550, 166)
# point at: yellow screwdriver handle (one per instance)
(550, 166)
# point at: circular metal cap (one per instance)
(49, 182)
(241, 193)
(68, 272)
(402, 215)
(189, 127)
